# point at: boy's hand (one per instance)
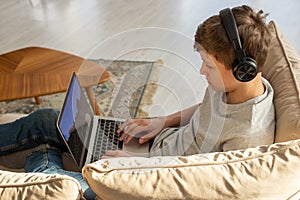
(148, 127)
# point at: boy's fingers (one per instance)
(123, 135)
(128, 131)
(129, 137)
(147, 137)
(123, 126)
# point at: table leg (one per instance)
(37, 100)
(92, 98)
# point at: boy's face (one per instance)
(220, 78)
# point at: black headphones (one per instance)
(244, 68)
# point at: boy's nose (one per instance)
(202, 69)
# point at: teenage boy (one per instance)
(236, 113)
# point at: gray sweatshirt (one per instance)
(217, 126)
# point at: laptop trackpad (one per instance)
(135, 148)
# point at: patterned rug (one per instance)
(130, 88)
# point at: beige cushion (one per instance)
(36, 186)
(282, 69)
(265, 172)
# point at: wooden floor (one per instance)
(132, 30)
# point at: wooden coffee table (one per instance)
(37, 71)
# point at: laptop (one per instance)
(89, 136)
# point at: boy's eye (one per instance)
(208, 65)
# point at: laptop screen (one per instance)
(75, 120)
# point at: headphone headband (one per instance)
(229, 23)
(231, 29)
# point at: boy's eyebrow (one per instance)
(207, 60)
(198, 48)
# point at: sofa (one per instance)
(263, 172)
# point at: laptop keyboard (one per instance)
(106, 137)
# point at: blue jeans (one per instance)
(31, 131)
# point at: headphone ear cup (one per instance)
(245, 70)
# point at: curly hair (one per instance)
(253, 31)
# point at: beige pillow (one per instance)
(282, 69)
(36, 186)
(265, 172)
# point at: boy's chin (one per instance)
(218, 89)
